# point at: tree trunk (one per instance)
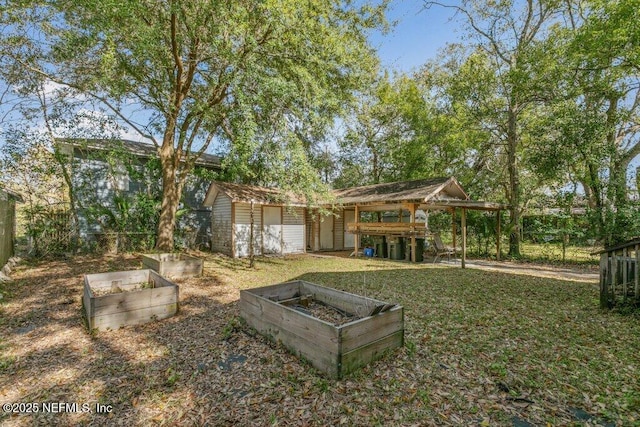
(171, 191)
(374, 168)
(514, 182)
(65, 162)
(618, 169)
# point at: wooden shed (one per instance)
(292, 226)
(279, 222)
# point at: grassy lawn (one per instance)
(481, 348)
(552, 252)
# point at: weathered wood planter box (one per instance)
(288, 313)
(173, 265)
(122, 298)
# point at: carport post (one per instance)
(464, 237)
(498, 218)
(453, 229)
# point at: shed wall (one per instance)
(293, 230)
(221, 225)
(338, 230)
(242, 229)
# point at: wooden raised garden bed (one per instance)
(122, 298)
(337, 332)
(173, 265)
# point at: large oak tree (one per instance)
(185, 73)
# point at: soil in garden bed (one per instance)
(322, 311)
(119, 288)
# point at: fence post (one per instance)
(637, 273)
(604, 297)
(625, 267)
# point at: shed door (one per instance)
(326, 232)
(349, 238)
(272, 229)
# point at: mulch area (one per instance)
(200, 367)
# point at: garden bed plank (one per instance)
(323, 344)
(361, 356)
(322, 358)
(117, 320)
(369, 329)
(124, 308)
(174, 265)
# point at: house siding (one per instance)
(96, 183)
(221, 225)
(293, 230)
(195, 224)
(242, 229)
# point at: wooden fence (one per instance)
(7, 226)
(620, 275)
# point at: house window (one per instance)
(120, 178)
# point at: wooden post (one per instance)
(356, 237)
(464, 237)
(498, 215)
(312, 229)
(604, 299)
(412, 218)
(637, 292)
(252, 259)
(453, 229)
(614, 274)
(625, 267)
(233, 230)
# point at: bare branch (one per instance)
(486, 34)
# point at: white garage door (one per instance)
(272, 229)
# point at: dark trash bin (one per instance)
(396, 248)
(380, 243)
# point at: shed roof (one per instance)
(137, 148)
(248, 193)
(418, 191)
(433, 193)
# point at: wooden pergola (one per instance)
(426, 194)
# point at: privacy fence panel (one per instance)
(7, 227)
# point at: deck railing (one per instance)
(388, 228)
(619, 274)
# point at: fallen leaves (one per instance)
(481, 348)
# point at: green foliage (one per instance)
(588, 132)
(131, 212)
(30, 168)
(396, 133)
(266, 85)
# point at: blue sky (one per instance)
(417, 36)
